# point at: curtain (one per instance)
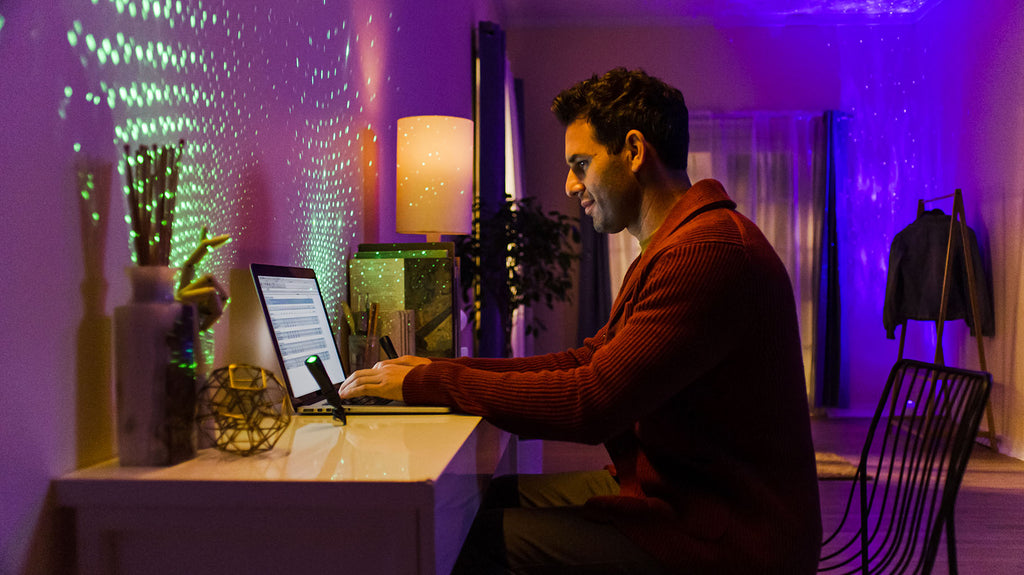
(521, 345)
(773, 166)
(491, 179)
(827, 392)
(595, 289)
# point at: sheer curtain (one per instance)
(521, 345)
(772, 165)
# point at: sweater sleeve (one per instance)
(680, 323)
(552, 361)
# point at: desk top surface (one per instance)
(382, 448)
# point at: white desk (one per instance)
(385, 494)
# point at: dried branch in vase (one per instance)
(152, 173)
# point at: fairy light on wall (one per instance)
(269, 96)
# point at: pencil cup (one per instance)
(363, 352)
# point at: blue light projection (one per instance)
(894, 161)
(271, 97)
(729, 12)
(862, 8)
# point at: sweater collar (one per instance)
(702, 196)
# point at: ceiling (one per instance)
(529, 13)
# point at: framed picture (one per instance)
(415, 289)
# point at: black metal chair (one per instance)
(910, 471)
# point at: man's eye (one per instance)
(581, 165)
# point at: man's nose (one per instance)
(573, 186)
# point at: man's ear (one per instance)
(637, 148)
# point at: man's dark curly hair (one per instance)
(624, 100)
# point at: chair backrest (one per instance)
(910, 471)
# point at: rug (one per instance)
(834, 466)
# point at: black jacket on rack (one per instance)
(917, 262)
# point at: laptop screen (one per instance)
(298, 323)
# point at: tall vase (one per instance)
(154, 339)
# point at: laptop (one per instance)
(294, 309)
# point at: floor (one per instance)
(989, 512)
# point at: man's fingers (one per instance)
(382, 381)
(357, 383)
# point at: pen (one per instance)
(371, 327)
(388, 347)
(349, 317)
(371, 355)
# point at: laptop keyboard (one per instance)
(366, 400)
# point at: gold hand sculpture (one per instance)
(208, 296)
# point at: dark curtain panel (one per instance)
(595, 295)
(490, 49)
(827, 344)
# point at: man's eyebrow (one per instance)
(577, 157)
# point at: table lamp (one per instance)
(435, 176)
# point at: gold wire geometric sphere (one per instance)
(242, 409)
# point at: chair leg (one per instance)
(951, 544)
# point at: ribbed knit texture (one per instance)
(696, 388)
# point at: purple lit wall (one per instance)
(977, 60)
(893, 163)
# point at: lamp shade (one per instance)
(435, 176)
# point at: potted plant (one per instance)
(518, 256)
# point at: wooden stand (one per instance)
(958, 224)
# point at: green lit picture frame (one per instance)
(419, 277)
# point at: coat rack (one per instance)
(958, 222)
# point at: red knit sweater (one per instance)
(695, 386)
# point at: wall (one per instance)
(289, 110)
(977, 58)
(893, 161)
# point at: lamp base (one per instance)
(433, 237)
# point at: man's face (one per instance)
(604, 183)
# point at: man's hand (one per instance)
(382, 380)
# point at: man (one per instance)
(695, 385)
